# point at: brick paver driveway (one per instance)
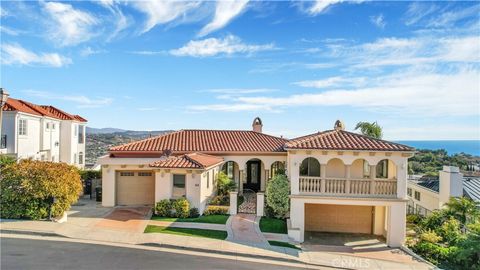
(129, 219)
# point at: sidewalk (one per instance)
(244, 239)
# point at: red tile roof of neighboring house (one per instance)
(188, 161)
(344, 140)
(41, 110)
(207, 141)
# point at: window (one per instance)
(75, 130)
(366, 169)
(22, 126)
(208, 179)
(417, 195)
(310, 167)
(409, 192)
(81, 134)
(179, 185)
(144, 174)
(47, 126)
(3, 142)
(278, 167)
(382, 169)
(127, 174)
(228, 169)
(53, 126)
(80, 158)
(75, 158)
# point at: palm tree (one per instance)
(370, 129)
(463, 209)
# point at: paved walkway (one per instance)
(243, 228)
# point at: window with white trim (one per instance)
(417, 195)
(81, 134)
(409, 192)
(47, 126)
(179, 190)
(75, 130)
(74, 158)
(127, 174)
(22, 126)
(80, 158)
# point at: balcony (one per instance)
(385, 188)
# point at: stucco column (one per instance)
(240, 184)
(396, 219)
(108, 187)
(347, 176)
(295, 179)
(373, 172)
(323, 175)
(402, 180)
(297, 218)
(158, 186)
(233, 203)
(260, 203)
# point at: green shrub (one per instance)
(220, 200)
(27, 186)
(163, 208)
(430, 237)
(90, 174)
(194, 212)
(414, 218)
(278, 190)
(216, 210)
(181, 208)
(6, 160)
(224, 184)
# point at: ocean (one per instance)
(471, 147)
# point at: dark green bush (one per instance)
(220, 200)
(27, 186)
(194, 212)
(163, 208)
(90, 174)
(181, 208)
(414, 218)
(224, 184)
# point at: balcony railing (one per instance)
(348, 187)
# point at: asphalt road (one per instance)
(41, 254)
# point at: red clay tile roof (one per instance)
(188, 161)
(343, 140)
(207, 141)
(41, 110)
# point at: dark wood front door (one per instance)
(253, 176)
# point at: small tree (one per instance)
(27, 186)
(278, 190)
(373, 130)
(224, 184)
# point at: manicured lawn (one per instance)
(273, 225)
(283, 244)
(214, 219)
(187, 232)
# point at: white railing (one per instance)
(348, 187)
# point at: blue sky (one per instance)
(414, 67)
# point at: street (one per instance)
(42, 254)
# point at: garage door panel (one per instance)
(338, 218)
(135, 188)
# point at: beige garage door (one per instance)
(338, 218)
(135, 188)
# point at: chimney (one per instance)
(451, 184)
(339, 125)
(257, 125)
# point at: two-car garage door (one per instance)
(135, 188)
(338, 218)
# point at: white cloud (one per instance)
(69, 26)
(417, 11)
(14, 54)
(225, 11)
(449, 18)
(333, 82)
(378, 21)
(150, 52)
(81, 101)
(87, 51)
(8, 30)
(319, 6)
(216, 46)
(161, 12)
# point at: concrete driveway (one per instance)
(128, 219)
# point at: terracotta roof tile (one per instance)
(18, 105)
(188, 161)
(207, 141)
(41, 110)
(344, 140)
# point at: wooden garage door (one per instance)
(135, 188)
(338, 218)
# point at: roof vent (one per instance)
(257, 125)
(339, 125)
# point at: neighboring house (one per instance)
(429, 194)
(340, 181)
(42, 132)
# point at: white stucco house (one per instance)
(427, 194)
(340, 181)
(42, 132)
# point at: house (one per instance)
(340, 181)
(429, 194)
(42, 132)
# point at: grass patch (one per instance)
(213, 219)
(273, 225)
(221, 235)
(283, 244)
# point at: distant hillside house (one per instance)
(42, 132)
(340, 181)
(429, 194)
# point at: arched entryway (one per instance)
(232, 171)
(253, 175)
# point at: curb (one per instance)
(8, 231)
(418, 257)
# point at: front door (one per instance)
(253, 176)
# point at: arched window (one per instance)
(382, 169)
(278, 167)
(228, 169)
(310, 167)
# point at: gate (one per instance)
(249, 203)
